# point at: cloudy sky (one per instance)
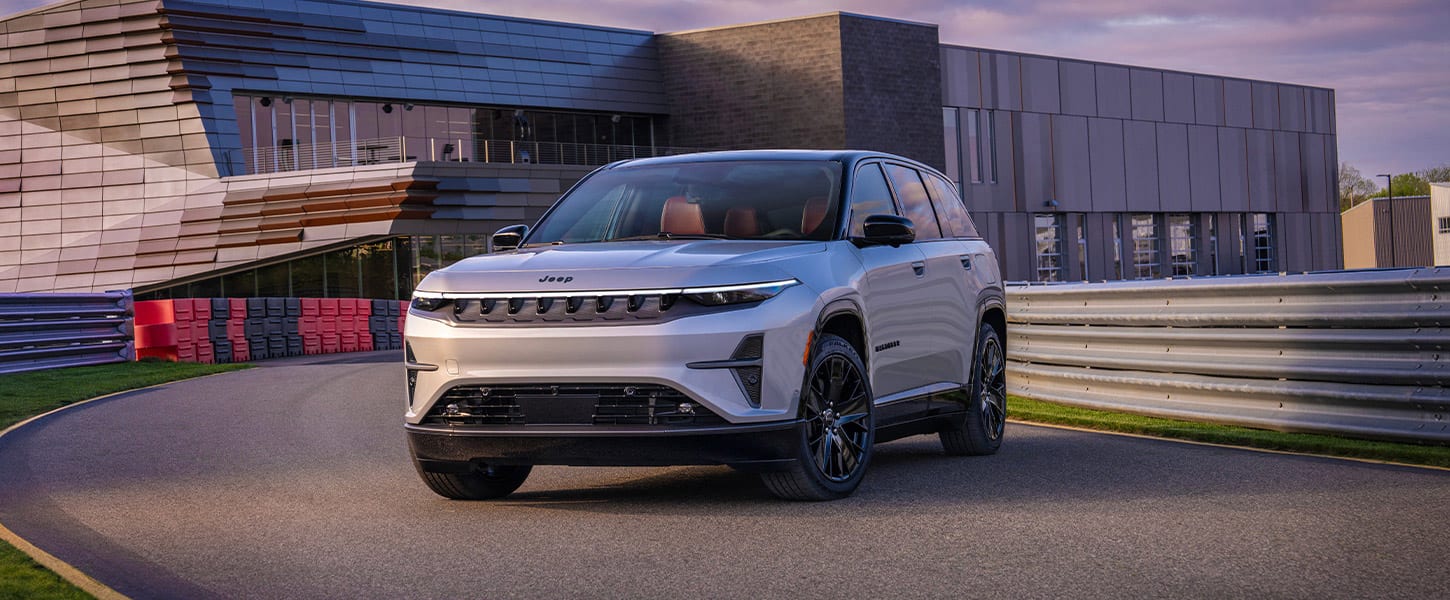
(1388, 60)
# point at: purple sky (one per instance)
(1388, 60)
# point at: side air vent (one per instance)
(750, 348)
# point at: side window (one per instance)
(869, 196)
(949, 205)
(912, 193)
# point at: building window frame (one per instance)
(1146, 249)
(1259, 228)
(1182, 244)
(1048, 235)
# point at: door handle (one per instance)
(919, 267)
(967, 261)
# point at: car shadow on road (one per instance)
(914, 475)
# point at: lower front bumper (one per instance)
(445, 449)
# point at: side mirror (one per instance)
(890, 230)
(509, 237)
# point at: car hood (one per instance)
(634, 265)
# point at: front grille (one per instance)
(569, 404)
(535, 309)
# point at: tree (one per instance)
(1440, 174)
(1353, 187)
(1406, 184)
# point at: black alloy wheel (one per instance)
(981, 429)
(837, 427)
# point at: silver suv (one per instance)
(776, 311)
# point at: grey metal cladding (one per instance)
(1260, 162)
(1078, 87)
(1105, 144)
(1317, 184)
(1147, 94)
(1321, 111)
(1140, 146)
(961, 77)
(1238, 103)
(1178, 98)
(1291, 108)
(1040, 85)
(1208, 100)
(1233, 169)
(1173, 167)
(1071, 169)
(1203, 169)
(1114, 92)
(1036, 148)
(342, 42)
(1287, 164)
(1008, 81)
(1266, 105)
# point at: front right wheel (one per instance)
(839, 427)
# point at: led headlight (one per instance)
(429, 301)
(736, 294)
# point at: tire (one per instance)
(839, 429)
(479, 482)
(980, 432)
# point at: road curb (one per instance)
(1143, 436)
(65, 570)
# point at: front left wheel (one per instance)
(838, 431)
(478, 482)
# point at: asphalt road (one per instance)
(293, 481)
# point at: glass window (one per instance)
(1049, 247)
(1213, 243)
(974, 146)
(274, 280)
(1262, 226)
(377, 270)
(987, 137)
(1117, 248)
(1444, 224)
(1182, 239)
(341, 271)
(950, 133)
(1146, 264)
(869, 196)
(307, 277)
(242, 284)
(1082, 247)
(915, 201)
(954, 218)
(344, 149)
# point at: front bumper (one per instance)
(647, 353)
(761, 446)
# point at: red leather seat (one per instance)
(813, 214)
(741, 221)
(682, 216)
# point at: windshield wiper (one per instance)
(665, 235)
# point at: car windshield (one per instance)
(777, 200)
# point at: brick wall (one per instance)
(768, 85)
(892, 95)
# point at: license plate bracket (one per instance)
(563, 409)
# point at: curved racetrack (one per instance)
(292, 480)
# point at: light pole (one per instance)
(1389, 184)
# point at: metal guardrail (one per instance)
(402, 149)
(1362, 353)
(44, 331)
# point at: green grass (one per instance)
(23, 395)
(21, 577)
(1036, 411)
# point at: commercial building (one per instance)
(1404, 231)
(345, 148)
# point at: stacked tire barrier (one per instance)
(45, 331)
(1358, 353)
(219, 330)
